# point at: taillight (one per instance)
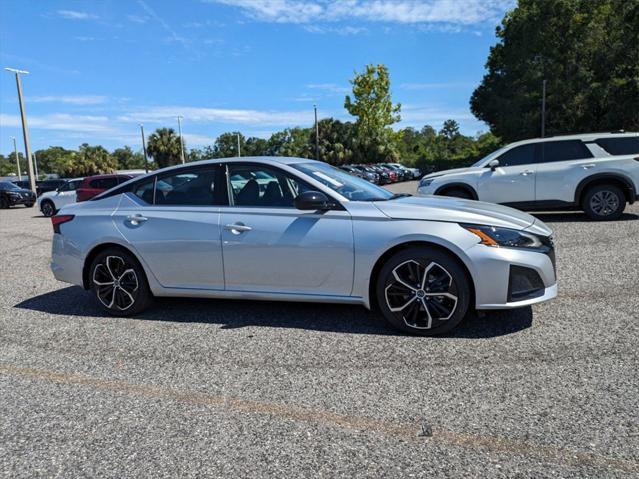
(636, 158)
(57, 220)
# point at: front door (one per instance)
(174, 225)
(513, 181)
(270, 246)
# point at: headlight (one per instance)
(426, 182)
(504, 237)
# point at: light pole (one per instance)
(35, 164)
(179, 119)
(239, 153)
(543, 108)
(15, 149)
(316, 134)
(146, 160)
(25, 128)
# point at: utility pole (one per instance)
(179, 119)
(146, 161)
(239, 153)
(35, 164)
(543, 109)
(15, 149)
(316, 134)
(25, 128)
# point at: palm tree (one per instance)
(164, 147)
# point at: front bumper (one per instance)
(497, 286)
(21, 200)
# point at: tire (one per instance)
(28, 205)
(457, 193)
(406, 305)
(604, 202)
(119, 283)
(48, 208)
(4, 203)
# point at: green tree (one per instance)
(290, 142)
(127, 159)
(226, 144)
(335, 141)
(587, 50)
(55, 159)
(372, 105)
(163, 146)
(254, 146)
(91, 160)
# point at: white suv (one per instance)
(51, 201)
(597, 172)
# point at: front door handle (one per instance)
(527, 172)
(237, 228)
(136, 219)
(588, 166)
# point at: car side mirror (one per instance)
(313, 200)
(493, 164)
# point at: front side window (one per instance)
(519, 155)
(565, 150)
(260, 185)
(620, 145)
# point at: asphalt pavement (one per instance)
(255, 389)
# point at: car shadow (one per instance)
(576, 217)
(233, 314)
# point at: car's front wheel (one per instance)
(48, 208)
(423, 291)
(604, 202)
(119, 283)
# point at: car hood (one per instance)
(454, 171)
(441, 208)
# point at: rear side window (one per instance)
(194, 187)
(620, 146)
(104, 183)
(565, 150)
(520, 155)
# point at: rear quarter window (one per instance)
(620, 146)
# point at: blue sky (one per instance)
(99, 68)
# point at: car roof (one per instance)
(281, 160)
(583, 137)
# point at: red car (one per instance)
(94, 185)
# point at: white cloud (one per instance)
(70, 99)
(219, 115)
(329, 87)
(173, 36)
(76, 15)
(464, 12)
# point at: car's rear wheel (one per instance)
(119, 283)
(423, 291)
(604, 202)
(457, 193)
(48, 208)
(4, 203)
(28, 205)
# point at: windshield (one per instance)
(351, 187)
(6, 185)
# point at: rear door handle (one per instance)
(527, 172)
(237, 228)
(136, 219)
(588, 166)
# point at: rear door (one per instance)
(562, 165)
(173, 223)
(513, 181)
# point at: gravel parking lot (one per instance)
(256, 389)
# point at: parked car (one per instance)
(597, 173)
(94, 185)
(45, 186)
(24, 184)
(51, 201)
(12, 195)
(369, 174)
(300, 230)
(402, 174)
(352, 170)
(386, 175)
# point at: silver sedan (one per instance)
(294, 229)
